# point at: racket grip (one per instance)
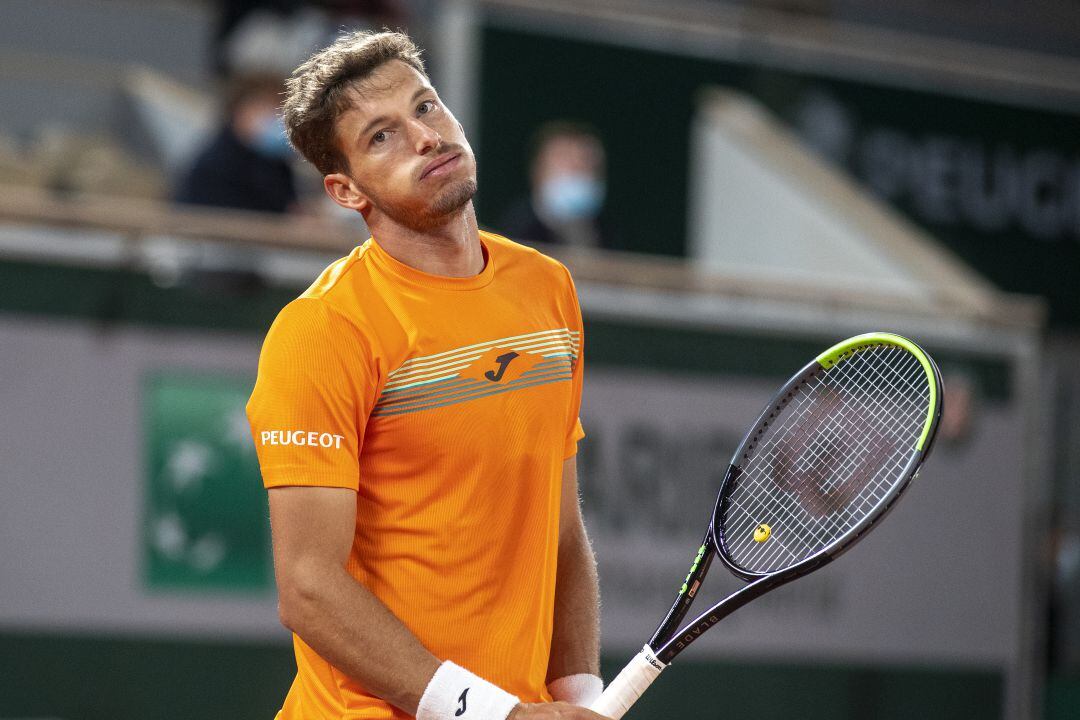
(628, 685)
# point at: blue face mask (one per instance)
(572, 197)
(270, 140)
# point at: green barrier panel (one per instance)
(206, 524)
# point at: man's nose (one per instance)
(425, 137)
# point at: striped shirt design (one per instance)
(432, 381)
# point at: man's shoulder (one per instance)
(328, 285)
(515, 254)
(332, 299)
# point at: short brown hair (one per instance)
(315, 95)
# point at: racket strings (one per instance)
(831, 456)
(819, 445)
(816, 509)
(823, 506)
(817, 513)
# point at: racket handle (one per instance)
(628, 685)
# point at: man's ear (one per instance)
(345, 193)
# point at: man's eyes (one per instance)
(428, 106)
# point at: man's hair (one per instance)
(317, 93)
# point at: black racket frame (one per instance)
(668, 641)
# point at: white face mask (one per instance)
(572, 196)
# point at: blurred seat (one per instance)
(68, 160)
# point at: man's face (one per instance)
(406, 152)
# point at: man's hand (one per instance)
(552, 711)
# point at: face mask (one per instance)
(572, 197)
(270, 140)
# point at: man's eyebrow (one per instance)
(370, 126)
(383, 118)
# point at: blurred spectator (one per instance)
(247, 163)
(567, 190)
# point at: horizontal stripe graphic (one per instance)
(467, 393)
(531, 343)
(426, 385)
(432, 381)
(455, 385)
(445, 368)
(516, 385)
(478, 349)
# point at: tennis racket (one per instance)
(826, 460)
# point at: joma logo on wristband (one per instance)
(461, 699)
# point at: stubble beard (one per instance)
(453, 198)
(449, 201)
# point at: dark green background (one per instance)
(642, 102)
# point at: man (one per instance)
(416, 418)
(566, 177)
(247, 163)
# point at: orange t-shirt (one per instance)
(448, 405)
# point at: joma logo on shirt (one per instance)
(501, 366)
(301, 438)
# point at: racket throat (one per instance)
(697, 627)
(689, 589)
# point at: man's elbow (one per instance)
(290, 607)
(299, 590)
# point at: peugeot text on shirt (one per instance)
(301, 438)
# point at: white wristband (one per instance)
(581, 689)
(454, 693)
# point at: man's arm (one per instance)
(575, 643)
(339, 618)
(312, 529)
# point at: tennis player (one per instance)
(416, 420)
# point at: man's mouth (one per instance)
(441, 165)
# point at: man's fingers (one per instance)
(553, 711)
(581, 713)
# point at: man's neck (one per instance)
(451, 249)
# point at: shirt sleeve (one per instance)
(312, 398)
(574, 430)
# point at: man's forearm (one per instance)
(352, 629)
(575, 642)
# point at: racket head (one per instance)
(828, 457)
